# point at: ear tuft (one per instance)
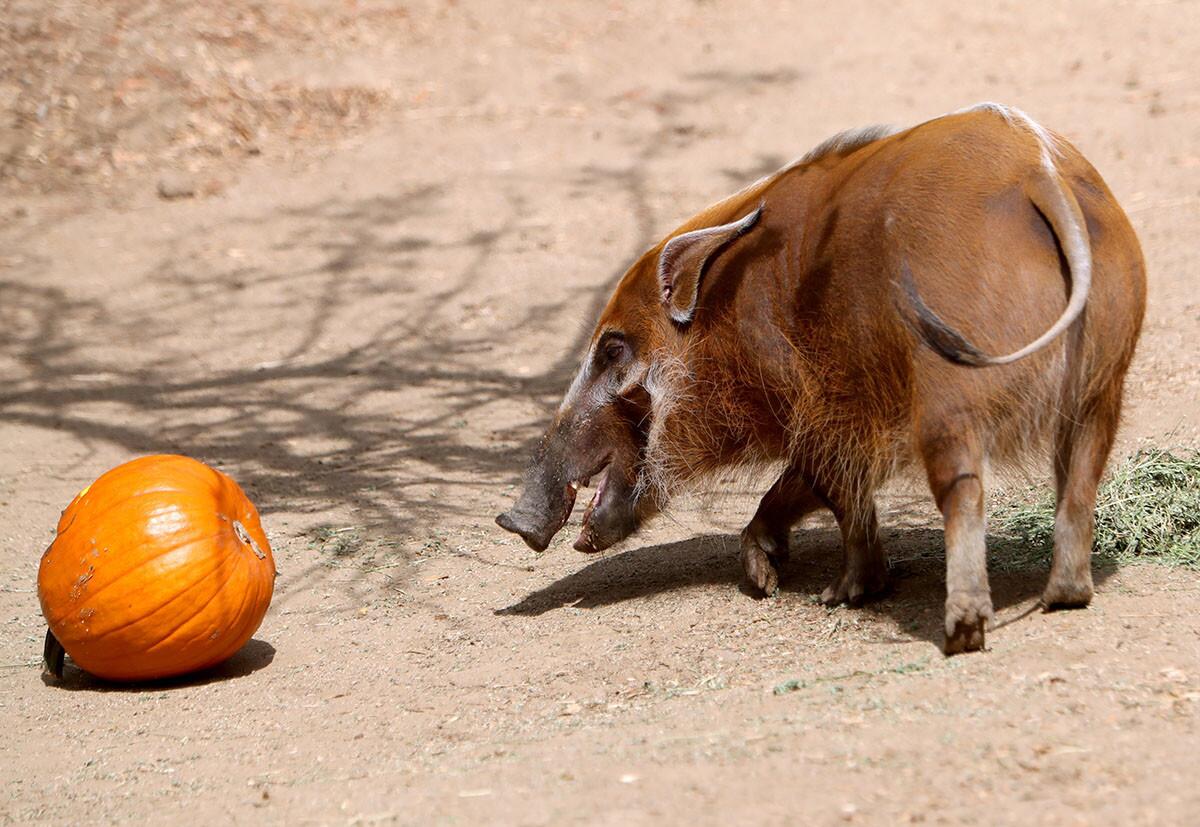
(682, 261)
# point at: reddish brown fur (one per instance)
(799, 353)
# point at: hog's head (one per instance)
(605, 424)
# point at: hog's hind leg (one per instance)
(1082, 446)
(765, 541)
(954, 464)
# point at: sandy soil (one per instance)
(403, 220)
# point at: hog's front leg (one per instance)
(765, 541)
(864, 562)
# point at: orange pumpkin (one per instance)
(159, 567)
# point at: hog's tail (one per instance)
(1054, 199)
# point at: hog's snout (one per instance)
(579, 447)
(536, 533)
(541, 511)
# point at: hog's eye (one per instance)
(613, 350)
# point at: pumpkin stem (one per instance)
(244, 536)
(52, 656)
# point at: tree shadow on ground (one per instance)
(292, 427)
(914, 600)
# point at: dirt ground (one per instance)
(401, 222)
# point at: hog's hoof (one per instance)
(1063, 593)
(967, 617)
(761, 555)
(855, 587)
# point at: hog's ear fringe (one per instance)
(684, 258)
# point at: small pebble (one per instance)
(172, 185)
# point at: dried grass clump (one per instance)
(1148, 509)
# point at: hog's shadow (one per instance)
(914, 600)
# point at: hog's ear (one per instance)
(683, 259)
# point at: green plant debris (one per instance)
(1147, 510)
(339, 542)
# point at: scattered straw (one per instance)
(1148, 509)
